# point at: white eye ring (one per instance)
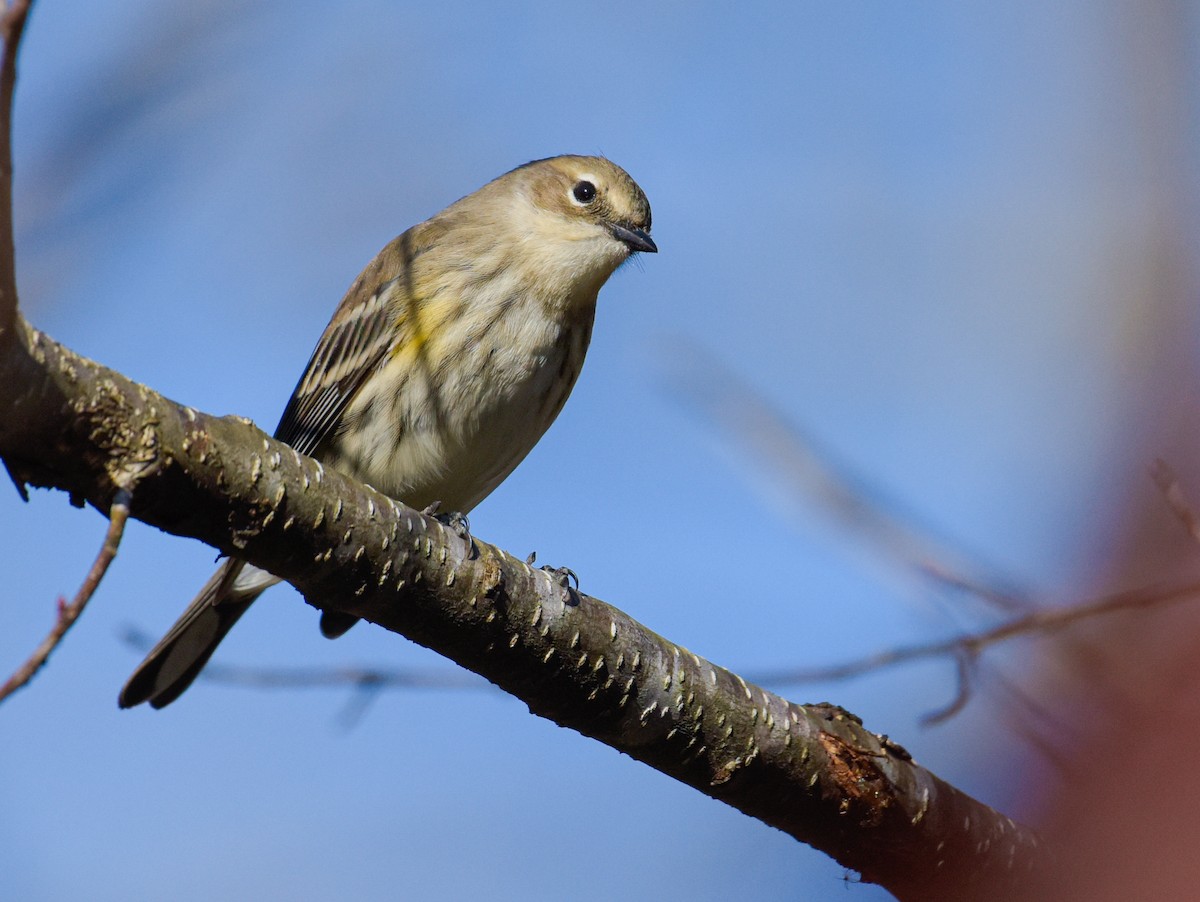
(583, 192)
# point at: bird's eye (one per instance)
(584, 192)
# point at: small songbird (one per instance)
(446, 361)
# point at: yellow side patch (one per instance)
(418, 324)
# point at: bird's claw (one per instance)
(563, 576)
(458, 524)
(452, 520)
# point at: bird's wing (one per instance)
(356, 341)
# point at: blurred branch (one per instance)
(12, 26)
(365, 682)
(969, 646)
(799, 468)
(69, 613)
(122, 135)
(319, 677)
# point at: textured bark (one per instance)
(812, 771)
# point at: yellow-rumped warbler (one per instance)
(446, 361)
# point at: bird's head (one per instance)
(579, 218)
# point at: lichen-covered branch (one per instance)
(812, 771)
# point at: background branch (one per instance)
(1035, 624)
(12, 26)
(805, 474)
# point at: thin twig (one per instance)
(12, 26)
(366, 682)
(1038, 623)
(965, 661)
(68, 613)
(323, 677)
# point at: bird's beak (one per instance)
(636, 239)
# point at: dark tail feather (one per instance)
(182, 653)
(335, 623)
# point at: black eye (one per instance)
(584, 192)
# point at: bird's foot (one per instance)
(564, 576)
(454, 521)
(561, 575)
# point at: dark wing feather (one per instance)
(354, 344)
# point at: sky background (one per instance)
(932, 236)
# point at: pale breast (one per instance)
(450, 421)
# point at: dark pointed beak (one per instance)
(635, 239)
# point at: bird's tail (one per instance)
(182, 653)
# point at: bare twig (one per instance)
(12, 25)
(320, 677)
(798, 466)
(962, 693)
(366, 683)
(1038, 623)
(966, 649)
(68, 613)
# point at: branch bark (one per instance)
(812, 771)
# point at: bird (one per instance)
(447, 360)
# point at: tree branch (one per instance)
(12, 26)
(812, 771)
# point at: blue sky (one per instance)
(920, 233)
